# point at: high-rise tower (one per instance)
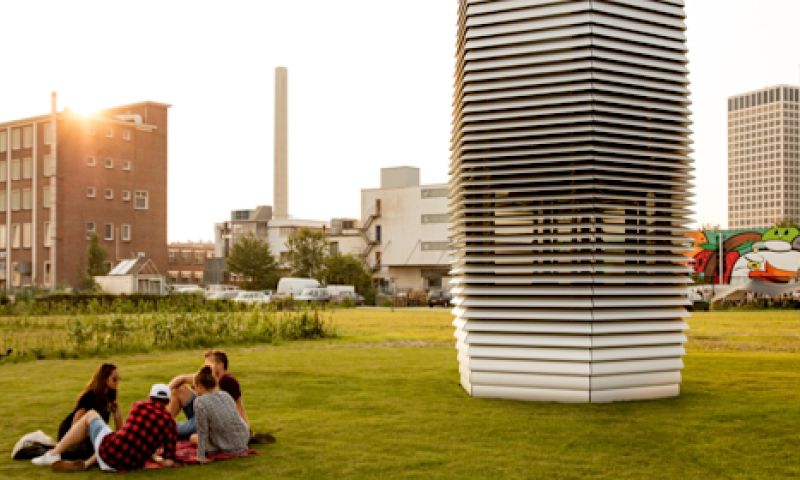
(569, 194)
(763, 157)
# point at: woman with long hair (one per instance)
(220, 428)
(100, 394)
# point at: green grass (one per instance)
(383, 400)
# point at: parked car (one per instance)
(317, 295)
(251, 297)
(221, 292)
(341, 296)
(437, 296)
(291, 287)
(186, 289)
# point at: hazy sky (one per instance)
(370, 85)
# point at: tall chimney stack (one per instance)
(281, 190)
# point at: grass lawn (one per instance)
(383, 400)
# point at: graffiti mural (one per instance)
(768, 255)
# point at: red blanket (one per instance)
(186, 454)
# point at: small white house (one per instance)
(133, 276)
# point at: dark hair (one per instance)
(205, 378)
(99, 382)
(218, 356)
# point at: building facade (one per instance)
(260, 223)
(764, 157)
(569, 193)
(187, 261)
(405, 227)
(105, 173)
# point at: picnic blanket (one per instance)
(186, 454)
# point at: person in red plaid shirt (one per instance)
(149, 427)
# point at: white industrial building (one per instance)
(402, 236)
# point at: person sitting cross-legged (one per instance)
(220, 428)
(148, 428)
(183, 396)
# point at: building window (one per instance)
(15, 168)
(142, 200)
(126, 165)
(26, 235)
(126, 195)
(109, 132)
(46, 269)
(377, 233)
(199, 258)
(3, 171)
(430, 246)
(126, 134)
(109, 193)
(26, 199)
(436, 218)
(27, 167)
(48, 235)
(3, 236)
(90, 192)
(434, 192)
(16, 235)
(47, 200)
(186, 257)
(49, 168)
(109, 162)
(173, 257)
(90, 228)
(108, 231)
(47, 133)
(15, 199)
(27, 137)
(91, 161)
(16, 276)
(126, 232)
(3, 141)
(16, 139)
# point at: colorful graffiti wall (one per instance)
(769, 255)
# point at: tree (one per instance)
(251, 259)
(306, 256)
(95, 262)
(349, 270)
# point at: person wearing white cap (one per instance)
(149, 427)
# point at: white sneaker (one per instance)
(48, 458)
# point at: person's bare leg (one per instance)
(178, 398)
(76, 433)
(90, 461)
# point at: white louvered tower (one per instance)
(569, 193)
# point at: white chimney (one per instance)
(281, 174)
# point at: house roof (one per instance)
(134, 266)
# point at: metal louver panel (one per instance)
(569, 197)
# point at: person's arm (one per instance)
(117, 416)
(78, 414)
(201, 421)
(180, 380)
(170, 445)
(241, 410)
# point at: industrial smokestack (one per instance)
(281, 174)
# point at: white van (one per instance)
(292, 287)
(313, 295)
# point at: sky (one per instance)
(370, 86)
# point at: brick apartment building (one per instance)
(187, 261)
(106, 172)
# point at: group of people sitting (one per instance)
(211, 399)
